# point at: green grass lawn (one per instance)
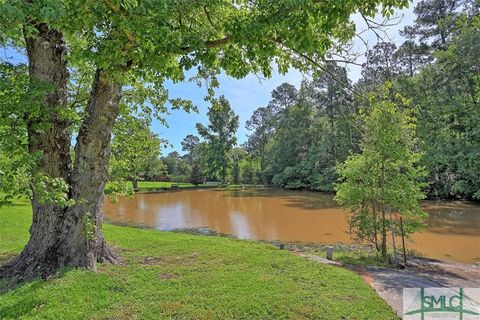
(159, 185)
(347, 254)
(180, 276)
(152, 185)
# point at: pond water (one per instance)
(453, 231)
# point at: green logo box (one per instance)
(441, 303)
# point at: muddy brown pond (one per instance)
(453, 231)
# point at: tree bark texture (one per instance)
(82, 225)
(66, 237)
(49, 137)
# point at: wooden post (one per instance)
(403, 242)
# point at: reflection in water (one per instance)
(453, 232)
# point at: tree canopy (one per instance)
(384, 178)
(220, 136)
(87, 58)
(135, 151)
(301, 135)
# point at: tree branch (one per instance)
(208, 16)
(217, 43)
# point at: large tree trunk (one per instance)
(61, 237)
(81, 235)
(49, 137)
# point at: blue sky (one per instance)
(249, 93)
(245, 95)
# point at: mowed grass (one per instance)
(351, 255)
(152, 185)
(180, 276)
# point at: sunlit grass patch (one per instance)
(183, 276)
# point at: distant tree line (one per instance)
(212, 156)
(301, 136)
(297, 140)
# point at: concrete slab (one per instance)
(420, 273)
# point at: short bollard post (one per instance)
(330, 253)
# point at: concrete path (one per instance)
(448, 274)
(426, 273)
(389, 283)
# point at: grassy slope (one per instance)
(180, 276)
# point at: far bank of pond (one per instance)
(453, 231)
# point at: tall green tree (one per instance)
(381, 66)
(220, 136)
(138, 45)
(250, 171)
(195, 157)
(332, 96)
(410, 57)
(177, 167)
(262, 126)
(312, 128)
(291, 144)
(135, 150)
(283, 96)
(237, 155)
(189, 143)
(435, 21)
(447, 97)
(383, 179)
(196, 175)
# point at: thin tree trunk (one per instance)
(333, 138)
(384, 234)
(135, 184)
(393, 240)
(384, 222)
(403, 242)
(224, 174)
(375, 227)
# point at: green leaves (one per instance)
(135, 149)
(220, 136)
(19, 103)
(11, 17)
(446, 96)
(385, 177)
(51, 190)
(166, 38)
